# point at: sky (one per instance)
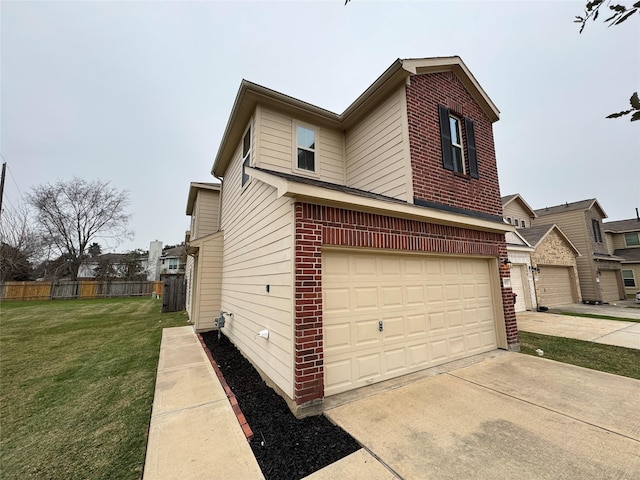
(139, 93)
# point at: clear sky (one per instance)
(139, 93)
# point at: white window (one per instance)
(516, 222)
(509, 220)
(173, 264)
(306, 151)
(457, 149)
(246, 155)
(522, 224)
(628, 278)
(631, 239)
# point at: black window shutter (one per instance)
(471, 148)
(445, 137)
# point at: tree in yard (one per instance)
(19, 245)
(130, 267)
(94, 250)
(618, 14)
(71, 214)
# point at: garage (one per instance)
(554, 286)
(517, 286)
(609, 285)
(387, 315)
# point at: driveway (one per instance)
(508, 416)
(610, 332)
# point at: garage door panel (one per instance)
(554, 286)
(433, 309)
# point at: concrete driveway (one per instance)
(609, 332)
(509, 416)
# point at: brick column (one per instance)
(308, 343)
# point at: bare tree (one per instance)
(19, 245)
(73, 213)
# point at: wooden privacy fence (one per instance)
(83, 289)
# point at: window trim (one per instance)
(246, 157)
(632, 278)
(316, 155)
(627, 244)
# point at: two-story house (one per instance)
(598, 270)
(362, 246)
(623, 240)
(551, 269)
(204, 255)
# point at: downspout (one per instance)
(221, 180)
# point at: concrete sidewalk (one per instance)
(609, 332)
(194, 432)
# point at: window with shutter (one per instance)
(455, 157)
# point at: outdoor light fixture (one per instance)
(507, 262)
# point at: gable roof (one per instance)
(506, 200)
(573, 206)
(193, 192)
(622, 226)
(251, 94)
(536, 234)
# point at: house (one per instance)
(203, 271)
(553, 265)
(598, 270)
(361, 246)
(173, 261)
(550, 269)
(623, 241)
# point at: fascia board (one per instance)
(315, 194)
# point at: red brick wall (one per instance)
(431, 181)
(319, 225)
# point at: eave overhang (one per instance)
(334, 198)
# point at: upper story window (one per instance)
(454, 133)
(631, 239)
(597, 234)
(516, 222)
(509, 220)
(306, 151)
(523, 224)
(246, 155)
(173, 264)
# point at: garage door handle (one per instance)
(380, 327)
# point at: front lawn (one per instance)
(595, 315)
(76, 386)
(606, 358)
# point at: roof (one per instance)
(534, 235)
(251, 94)
(506, 200)
(628, 254)
(569, 207)
(622, 226)
(324, 193)
(194, 187)
(179, 251)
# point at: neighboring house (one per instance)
(203, 270)
(173, 261)
(364, 245)
(623, 240)
(519, 254)
(553, 265)
(598, 270)
(551, 270)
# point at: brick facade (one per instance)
(320, 225)
(431, 182)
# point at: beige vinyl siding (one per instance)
(574, 225)
(258, 250)
(277, 147)
(514, 210)
(375, 151)
(206, 214)
(209, 281)
(189, 275)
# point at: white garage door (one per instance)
(609, 286)
(554, 286)
(517, 285)
(388, 315)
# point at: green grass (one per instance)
(76, 386)
(595, 315)
(606, 358)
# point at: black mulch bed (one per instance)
(285, 447)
